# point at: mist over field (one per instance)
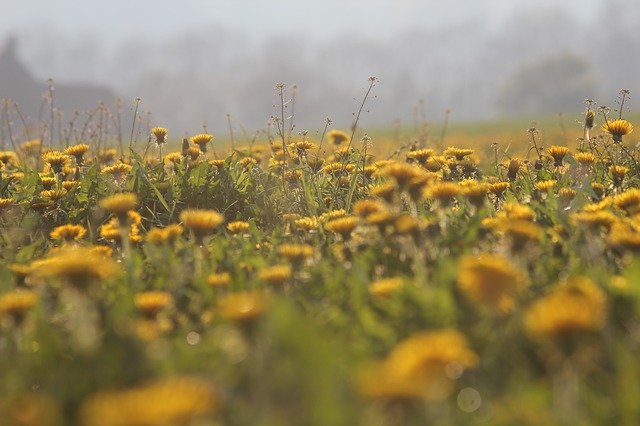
(197, 61)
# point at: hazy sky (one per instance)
(120, 19)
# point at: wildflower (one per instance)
(222, 279)
(20, 271)
(168, 234)
(202, 140)
(307, 223)
(595, 219)
(56, 160)
(401, 173)
(618, 173)
(557, 153)
(421, 156)
(498, 188)
(238, 227)
(576, 306)
(48, 182)
(6, 202)
(518, 211)
(112, 230)
(119, 171)
(629, 201)
(16, 304)
(68, 185)
(384, 191)
(343, 226)
(624, 237)
(276, 275)
(54, 194)
(337, 169)
(78, 266)
(332, 215)
(201, 222)
(458, 153)
(177, 400)
(247, 162)
(120, 204)
(520, 233)
(68, 233)
(475, 191)
(77, 151)
(490, 280)
(297, 254)
(8, 158)
(585, 159)
(444, 192)
(149, 303)
(617, 129)
(31, 147)
(419, 367)
(107, 156)
(160, 133)
(567, 194)
(386, 286)
(545, 185)
(364, 208)
(337, 137)
(380, 219)
(242, 306)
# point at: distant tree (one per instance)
(550, 85)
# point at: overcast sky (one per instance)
(116, 20)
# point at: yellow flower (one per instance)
(444, 192)
(490, 280)
(77, 151)
(120, 204)
(557, 153)
(421, 156)
(573, 307)
(423, 365)
(201, 222)
(332, 215)
(238, 227)
(160, 133)
(201, 140)
(545, 185)
(118, 171)
(458, 153)
(152, 302)
(618, 173)
(6, 202)
(337, 137)
(296, 253)
(48, 182)
(386, 286)
(221, 279)
(16, 303)
(242, 306)
(68, 232)
(276, 275)
(307, 223)
(628, 201)
(343, 226)
(78, 266)
(56, 160)
(585, 159)
(172, 401)
(617, 129)
(54, 194)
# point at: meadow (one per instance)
(416, 275)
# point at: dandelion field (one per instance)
(323, 280)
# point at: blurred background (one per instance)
(195, 61)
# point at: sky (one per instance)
(117, 20)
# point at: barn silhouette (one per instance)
(18, 85)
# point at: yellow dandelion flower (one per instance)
(68, 233)
(421, 156)
(120, 204)
(332, 215)
(343, 226)
(457, 153)
(200, 221)
(386, 286)
(443, 192)
(238, 227)
(307, 223)
(297, 254)
(585, 159)
(221, 279)
(78, 266)
(384, 191)
(54, 194)
(617, 129)
(48, 182)
(364, 208)
(618, 173)
(172, 401)
(56, 160)
(490, 280)
(6, 202)
(16, 303)
(160, 133)
(202, 140)
(576, 306)
(107, 156)
(118, 170)
(545, 185)
(77, 151)
(557, 153)
(628, 201)
(242, 306)
(337, 137)
(276, 275)
(149, 303)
